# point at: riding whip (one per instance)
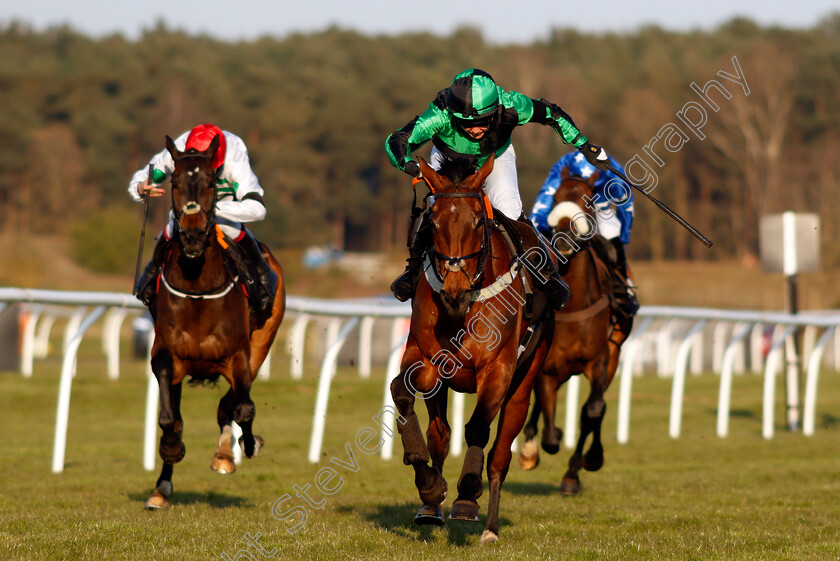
(146, 197)
(665, 208)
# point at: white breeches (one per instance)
(233, 230)
(501, 186)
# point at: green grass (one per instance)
(699, 497)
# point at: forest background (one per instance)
(81, 114)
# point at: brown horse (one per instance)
(585, 339)
(467, 325)
(203, 326)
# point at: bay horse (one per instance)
(585, 339)
(467, 325)
(203, 326)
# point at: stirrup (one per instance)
(405, 285)
(146, 289)
(558, 292)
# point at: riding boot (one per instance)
(405, 285)
(623, 290)
(556, 289)
(146, 288)
(263, 282)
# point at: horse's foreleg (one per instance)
(159, 499)
(512, 417)
(438, 432)
(430, 484)
(596, 408)
(492, 388)
(591, 415)
(547, 386)
(171, 448)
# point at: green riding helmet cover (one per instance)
(473, 96)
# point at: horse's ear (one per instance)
(214, 146)
(564, 174)
(434, 179)
(170, 146)
(476, 180)
(592, 178)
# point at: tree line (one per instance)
(81, 114)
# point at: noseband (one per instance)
(456, 264)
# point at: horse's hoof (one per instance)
(429, 515)
(157, 501)
(435, 494)
(489, 537)
(593, 463)
(570, 487)
(222, 463)
(551, 446)
(172, 457)
(464, 509)
(529, 456)
(258, 444)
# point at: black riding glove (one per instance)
(412, 168)
(596, 156)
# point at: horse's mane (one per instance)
(457, 169)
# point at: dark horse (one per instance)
(467, 325)
(585, 339)
(203, 326)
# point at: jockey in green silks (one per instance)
(474, 118)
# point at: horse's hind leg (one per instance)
(430, 484)
(529, 453)
(244, 409)
(171, 448)
(223, 458)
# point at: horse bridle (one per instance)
(457, 263)
(192, 207)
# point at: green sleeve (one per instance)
(547, 113)
(523, 105)
(400, 144)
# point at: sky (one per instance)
(508, 21)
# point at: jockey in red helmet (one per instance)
(239, 200)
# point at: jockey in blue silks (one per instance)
(612, 201)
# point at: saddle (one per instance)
(519, 237)
(236, 261)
